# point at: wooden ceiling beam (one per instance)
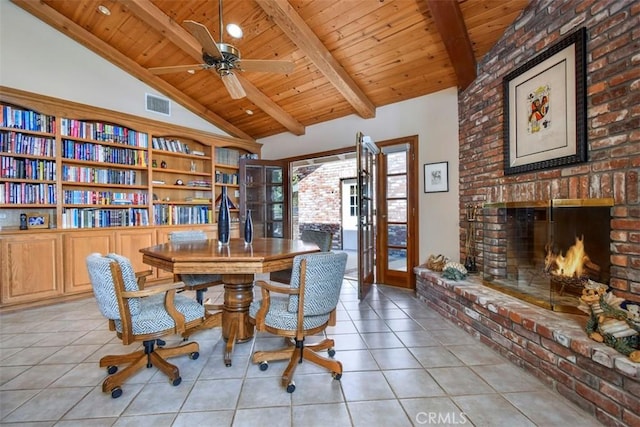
(154, 17)
(449, 21)
(91, 42)
(299, 32)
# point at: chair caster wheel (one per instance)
(336, 375)
(331, 352)
(264, 366)
(112, 369)
(194, 355)
(291, 387)
(176, 382)
(116, 392)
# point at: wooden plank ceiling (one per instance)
(350, 56)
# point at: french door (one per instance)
(397, 240)
(366, 152)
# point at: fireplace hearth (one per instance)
(544, 252)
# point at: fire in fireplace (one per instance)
(544, 252)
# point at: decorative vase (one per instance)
(248, 228)
(224, 218)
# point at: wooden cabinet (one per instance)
(31, 267)
(77, 246)
(129, 242)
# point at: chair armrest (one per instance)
(141, 277)
(152, 291)
(277, 288)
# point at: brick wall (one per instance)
(552, 346)
(613, 123)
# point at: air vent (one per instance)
(158, 105)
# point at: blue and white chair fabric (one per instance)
(305, 307)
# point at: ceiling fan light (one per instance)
(234, 31)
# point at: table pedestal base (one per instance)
(236, 325)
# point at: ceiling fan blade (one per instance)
(266, 65)
(204, 37)
(177, 69)
(233, 86)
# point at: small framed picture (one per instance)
(37, 220)
(436, 177)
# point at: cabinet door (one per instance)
(31, 267)
(77, 246)
(264, 189)
(129, 243)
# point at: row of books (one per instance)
(104, 198)
(167, 144)
(27, 193)
(100, 153)
(20, 143)
(227, 178)
(199, 183)
(18, 118)
(104, 132)
(98, 176)
(227, 156)
(174, 215)
(18, 168)
(93, 218)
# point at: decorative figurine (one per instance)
(163, 164)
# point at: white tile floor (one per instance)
(404, 365)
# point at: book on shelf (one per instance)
(157, 181)
(197, 153)
(197, 199)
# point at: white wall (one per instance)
(36, 58)
(434, 118)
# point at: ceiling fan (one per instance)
(224, 59)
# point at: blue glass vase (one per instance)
(248, 228)
(224, 218)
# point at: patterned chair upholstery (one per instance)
(304, 308)
(196, 282)
(138, 314)
(323, 239)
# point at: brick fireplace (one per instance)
(553, 345)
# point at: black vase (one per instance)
(224, 218)
(248, 228)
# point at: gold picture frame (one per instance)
(37, 220)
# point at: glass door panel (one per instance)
(264, 190)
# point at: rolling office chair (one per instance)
(321, 238)
(142, 315)
(305, 307)
(196, 282)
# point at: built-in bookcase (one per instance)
(89, 168)
(104, 175)
(181, 179)
(28, 169)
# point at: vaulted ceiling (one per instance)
(350, 56)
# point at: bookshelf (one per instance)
(181, 179)
(105, 181)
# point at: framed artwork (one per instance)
(436, 177)
(37, 220)
(545, 109)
